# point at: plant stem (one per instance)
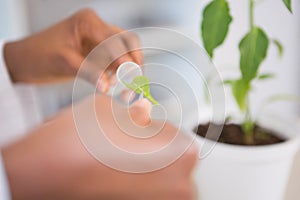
(251, 13)
(248, 125)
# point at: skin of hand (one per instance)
(52, 163)
(57, 52)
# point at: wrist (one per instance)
(12, 55)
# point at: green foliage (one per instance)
(265, 76)
(140, 85)
(287, 3)
(282, 97)
(253, 49)
(240, 89)
(228, 82)
(215, 24)
(279, 46)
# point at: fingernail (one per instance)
(113, 80)
(103, 87)
(142, 103)
(128, 96)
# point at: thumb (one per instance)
(140, 112)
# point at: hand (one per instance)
(52, 163)
(59, 51)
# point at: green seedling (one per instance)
(253, 49)
(140, 85)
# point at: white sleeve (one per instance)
(5, 81)
(12, 119)
(4, 190)
(5, 84)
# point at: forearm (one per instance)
(27, 60)
(15, 58)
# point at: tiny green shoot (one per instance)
(140, 85)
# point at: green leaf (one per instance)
(287, 4)
(228, 82)
(278, 98)
(253, 49)
(215, 24)
(283, 97)
(279, 46)
(240, 90)
(140, 84)
(228, 119)
(265, 76)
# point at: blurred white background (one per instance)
(19, 18)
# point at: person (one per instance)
(51, 162)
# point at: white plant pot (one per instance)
(231, 172)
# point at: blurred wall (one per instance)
(13, 19)
(20, 17)
(185, 16)
(124, 13)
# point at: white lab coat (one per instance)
(20, 111)
(16, 116)
(9, 107)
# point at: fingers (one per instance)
(127, 96)
(128, 46)
(140, 112)
(92, 30)
(104, 84)
(134, 47)
(118, 52)
(117, 47)
(89, 27)
(132, 43)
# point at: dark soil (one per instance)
(233, 134)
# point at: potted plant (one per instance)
(253, 158)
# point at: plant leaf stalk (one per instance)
(248, 124)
